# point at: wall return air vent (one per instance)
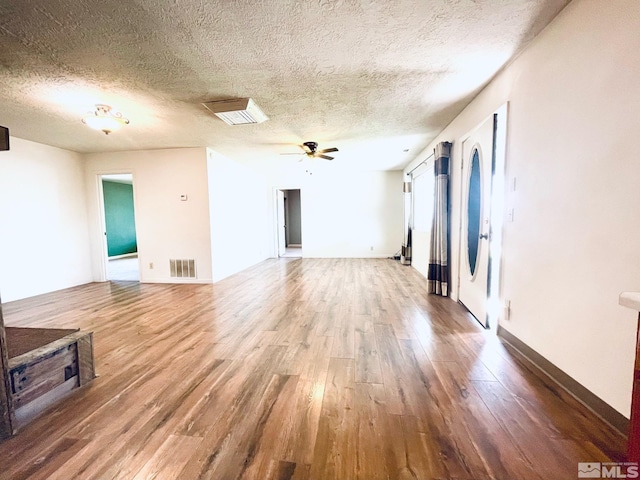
(237, 111)
(182, 268)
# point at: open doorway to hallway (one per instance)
(121, 252)
(289, 219)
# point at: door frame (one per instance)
(496, 215)
(281, 223)
(275, 238)
(104, 255)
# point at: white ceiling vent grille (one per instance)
(182, 268)
(237, 111)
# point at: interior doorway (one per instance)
(118, 215)
(289, 223)
(483, 160)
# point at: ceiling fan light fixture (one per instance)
(237, 111)
(105, 119)
(310, 149)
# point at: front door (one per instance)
(478, 157)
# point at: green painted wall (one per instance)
(119, 218)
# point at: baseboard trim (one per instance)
(124, 255)
(594, 403)
(376, 255)
(178, 280)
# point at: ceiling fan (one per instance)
(311, 151)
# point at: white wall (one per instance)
(573, 245)
(166, 226)
(345, 213)
(44, 239)
(238, 206)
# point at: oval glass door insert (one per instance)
(473, 212)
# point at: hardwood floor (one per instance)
(297, 369)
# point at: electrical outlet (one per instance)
(150, 265)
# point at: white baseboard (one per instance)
(126, 255)
(177, 280)
(373, 255)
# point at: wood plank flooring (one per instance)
(297, 369)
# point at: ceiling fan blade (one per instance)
(326, 157)
(306, 148)
(328, 150)
(292, 153)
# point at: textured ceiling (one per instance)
(373, 78)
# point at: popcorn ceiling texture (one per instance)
(371, 77)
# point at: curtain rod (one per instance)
(420, 164)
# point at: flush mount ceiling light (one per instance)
(105, 120)
(237, 111)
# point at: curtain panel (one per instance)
(438, 276)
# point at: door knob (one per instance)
(484, 235)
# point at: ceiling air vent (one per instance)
(237, 111)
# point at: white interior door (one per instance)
(477, 166)
(423, 185)
(282, 235)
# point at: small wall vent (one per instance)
(182, 268)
